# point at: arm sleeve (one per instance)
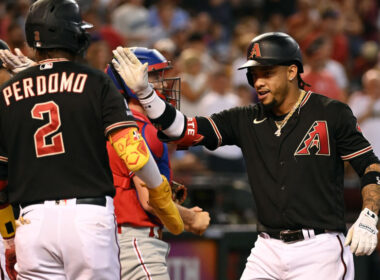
(115, 111)
(220, 129)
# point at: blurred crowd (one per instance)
(206, 41)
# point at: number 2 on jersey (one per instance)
(42, 148)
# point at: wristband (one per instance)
(146, 92)
(372, 177)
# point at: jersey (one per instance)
(54, 120)
(296, 178)
(128, 209)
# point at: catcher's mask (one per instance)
(57, 24)
(273, 48)
(168, 88)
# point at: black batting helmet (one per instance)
(273, 48)
(56, 24)
(3, 45)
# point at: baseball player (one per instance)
(139, 230)
(55, 118)
(294, 144)
(5, 75)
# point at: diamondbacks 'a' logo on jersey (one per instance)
(316, 141)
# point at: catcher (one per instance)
(142, 252)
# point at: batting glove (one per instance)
(133, 72)
(363, 234)
(15, 62)
(10, 258)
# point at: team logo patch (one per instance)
(255, 51)
(316, 140)
(46, 66)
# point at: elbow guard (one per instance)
(7, 221)
(189, 137)
(130, 146)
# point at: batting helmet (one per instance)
(273, 48)
(3, 45)
(57, 24)
(169, 88)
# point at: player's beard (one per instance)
(269, 107)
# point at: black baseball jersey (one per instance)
(54, 119)
(296, 178)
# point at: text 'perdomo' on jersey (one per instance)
(41, 85)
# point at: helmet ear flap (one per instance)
(84, 41)
(249, 78)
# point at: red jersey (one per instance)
(128, 209)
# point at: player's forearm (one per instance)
(163, 115)
(186, 214)
(371, 192)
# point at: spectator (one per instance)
(197, 42)
(304, 21)
(165, 17)
(131, 19)
(220, 97)
(193, 81)
(316, 74)
(331, 26)
(365, 105)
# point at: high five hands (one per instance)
(133, 72)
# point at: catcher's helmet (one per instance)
(3, 46)
(56, 24)
(169, 88)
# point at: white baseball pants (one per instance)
(321, 257)
(68, 241)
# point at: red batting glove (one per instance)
(10, 258)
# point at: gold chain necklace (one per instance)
(282, 123)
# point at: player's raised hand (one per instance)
(362, 236)
(133, 72)
(15, 62)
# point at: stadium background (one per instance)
(206, 41)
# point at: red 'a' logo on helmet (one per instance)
(255, 51)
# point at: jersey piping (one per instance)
(356, 154)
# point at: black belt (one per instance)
(289, 236)
(101, 201)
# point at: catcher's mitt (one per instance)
(179, 192)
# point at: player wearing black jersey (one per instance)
(294, 144)
(55, 118)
